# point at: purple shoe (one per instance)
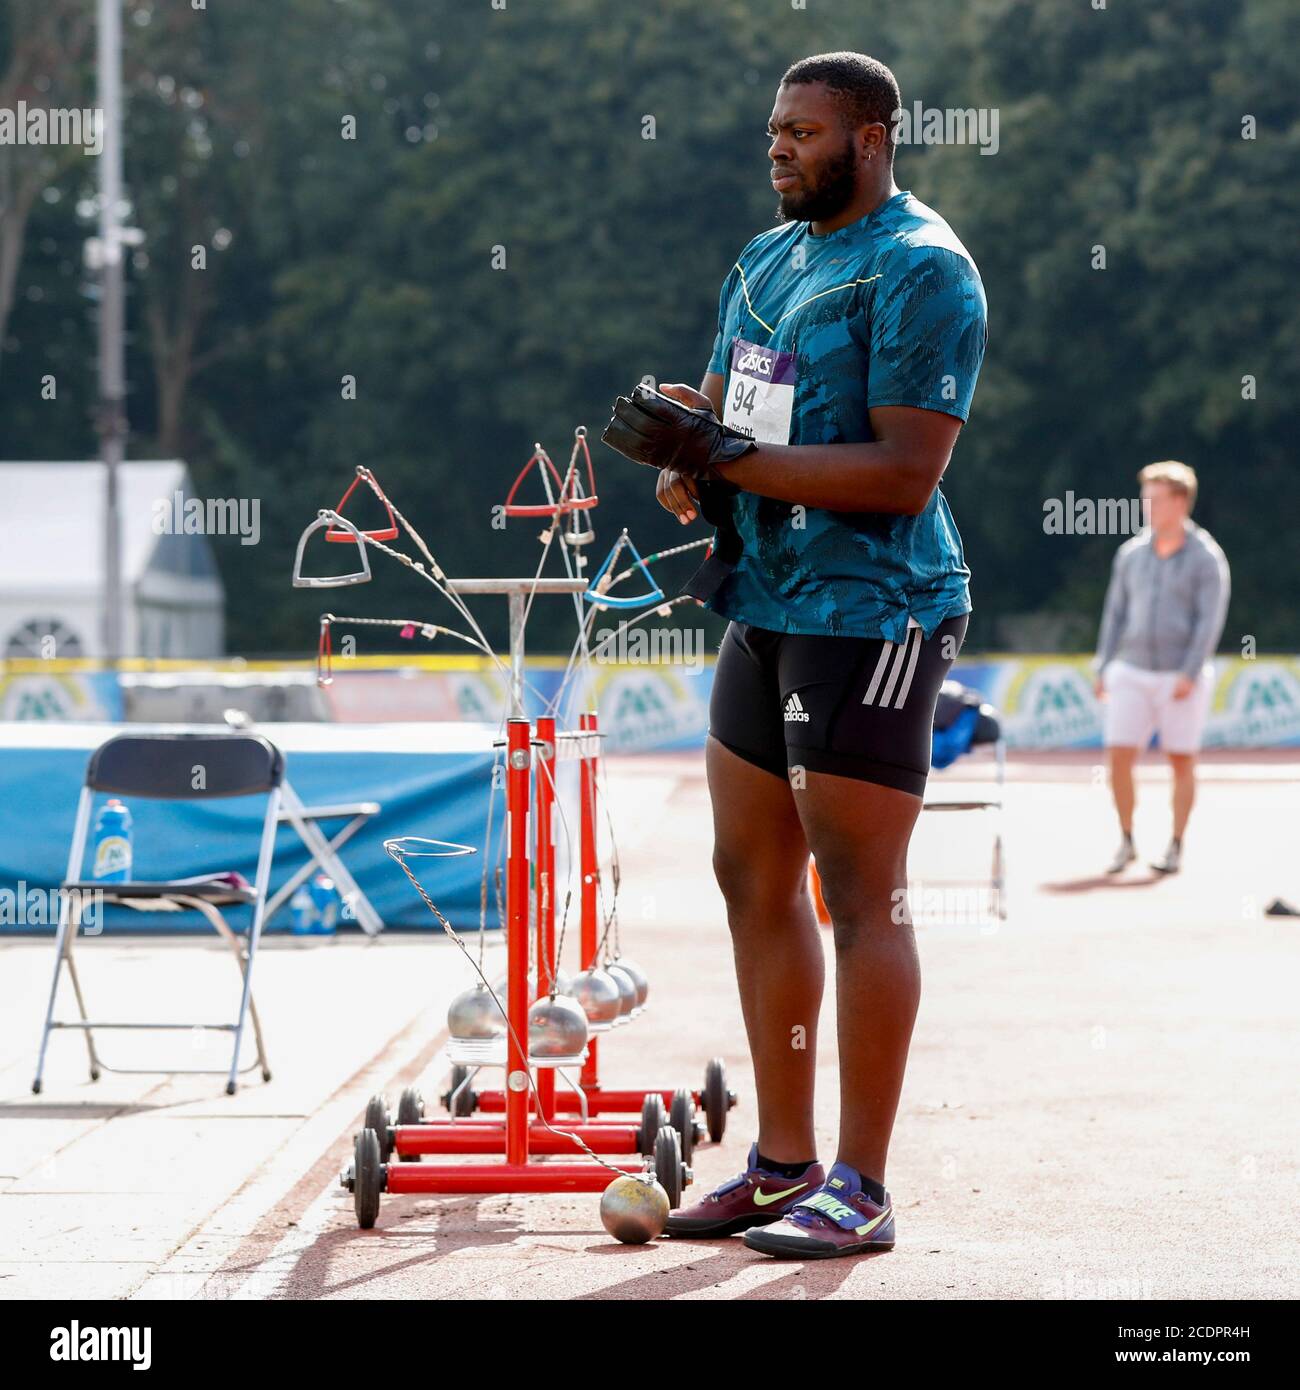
(838, 1219)
(754, 1198)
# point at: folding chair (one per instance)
(323, 853)
(961, 721)
(161, 767)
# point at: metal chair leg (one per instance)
(60, 954)
(93, 1056)
(247, 1006)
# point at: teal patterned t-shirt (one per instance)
(812, 332)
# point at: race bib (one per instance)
(760, 392)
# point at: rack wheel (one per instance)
(669, 1168)
(36, 1088)
(266, 1075)
(378, 1119)
(717, 1098)
(230, 1086)
(410, 1111)
(367, 1177)
(682, 1118)
(94, 1076)
(467, 1101)
(653, 1119)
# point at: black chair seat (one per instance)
(217, 893)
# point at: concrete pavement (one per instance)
(1100, 1100)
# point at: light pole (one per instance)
(111, 417)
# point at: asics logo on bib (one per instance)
(795, 712)
(755, 362)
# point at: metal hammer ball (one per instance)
(556, 1027)
(626, 988)
(638, 978)
(475, 1014)
(634, 1209)
(598, 993)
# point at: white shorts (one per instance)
(1140, 703)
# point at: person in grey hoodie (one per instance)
(1163, 617)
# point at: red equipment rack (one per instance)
(526, 1144)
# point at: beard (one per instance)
(828, 196)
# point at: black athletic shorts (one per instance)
(853, 706)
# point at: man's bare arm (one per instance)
(896, 474)
(712, 387)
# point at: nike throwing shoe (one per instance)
(838, 1219)
(754, 1198)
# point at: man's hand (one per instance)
(688, 396)
(1099, 687)
(676, 493)
(1183, 687)
(652, 428)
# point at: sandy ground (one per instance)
(1100, 1101)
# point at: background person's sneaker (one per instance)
(752, 1198)
(838, 1219)
(1173, 860)
(1124, 856)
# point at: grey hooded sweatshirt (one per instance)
(1165, 615)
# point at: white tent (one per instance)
(52, 564)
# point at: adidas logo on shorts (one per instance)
(795, 712)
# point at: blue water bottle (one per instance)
(112, 853)
(325, 900)
(302, 911)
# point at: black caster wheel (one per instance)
(669, 1168)
(94, 1076)
(467, 1101)
(266, 1075)
(230, 1087)
(368, 1178)
(681, 1116)
(36, 1088)
(717, 1098)
(377, 1118)
(653, 1119)
(410, 1111)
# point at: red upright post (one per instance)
(544, 859)
(590, 866)
(518, 767)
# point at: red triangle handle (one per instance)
(385, 533)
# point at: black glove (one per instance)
(649, 427)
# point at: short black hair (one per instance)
(863, 89)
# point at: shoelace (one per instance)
(732, 1185)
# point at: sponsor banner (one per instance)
(1256, 704)
(1045, 702)
(645, 708)
(59, 696)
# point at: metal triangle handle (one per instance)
(330, 581)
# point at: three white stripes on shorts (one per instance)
(904, 656)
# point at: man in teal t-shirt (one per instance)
(813, 333)
(849, 340)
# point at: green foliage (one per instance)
(524, 129)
